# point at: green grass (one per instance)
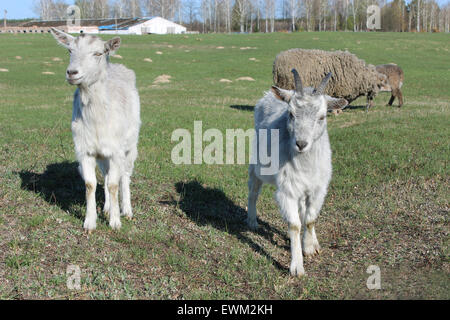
(387, 204)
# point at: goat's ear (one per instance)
(63, 38)
(335, 103)
(112, 45)
(282, 94)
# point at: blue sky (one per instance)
(19, 9)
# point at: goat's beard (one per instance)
(75, 81)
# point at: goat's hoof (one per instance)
(127, 213)
(312, 250)
(89, 226)
(115, 224)
(297, 271)
(252, 224)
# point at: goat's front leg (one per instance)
(254, 187)
(104, 167)
(113, 188)
(87, 169)
(107, 200)
(130, 157)
(289, 210)
(125, 196)
(313, 204)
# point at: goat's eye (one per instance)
(322, 118)
(70, 51)
(98, 54)
(291, 116)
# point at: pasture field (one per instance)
(388, 201)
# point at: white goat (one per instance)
(105, 122)
(304, 161)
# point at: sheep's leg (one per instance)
(400, 98)
(125, 184)
(313, 205)
(391, 101)
(87, 170)
(369, 103)
(113, 188)
(104, 167)
(289, 210)
(254, 187)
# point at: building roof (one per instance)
(102, 24)
(122, 22)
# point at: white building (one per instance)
(152, 25)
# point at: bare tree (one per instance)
(309, 6)
(270, 14)
(101, 8)
(163, 8)
(190, 10)
(241, 8)
(418, 16)
(293, 8)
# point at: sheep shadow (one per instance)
(243, 107)
(356, 107)
(61, 185)
(210, 206)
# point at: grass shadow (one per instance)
(363, 107)
(61, 185)
(243, 107)
(356, 107)
(210, 206)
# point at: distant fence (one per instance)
(33, 29)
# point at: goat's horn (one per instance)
(321, 88)
(298, 82)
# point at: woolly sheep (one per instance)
(105, 122)
(304, 155)
(395, 79)
(351, 78)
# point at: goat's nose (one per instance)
(72, 72)
(301, 145)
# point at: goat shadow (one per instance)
(210, 206)
(61, 185)
(349, 107)
(243, 107)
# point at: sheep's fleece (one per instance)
(351, 77)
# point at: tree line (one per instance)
(264, 15)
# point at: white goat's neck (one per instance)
(89, 93)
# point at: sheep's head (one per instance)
(383, 83)
(88, 56)
(307, 110)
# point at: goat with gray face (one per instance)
(105, 122)
(304, 161)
